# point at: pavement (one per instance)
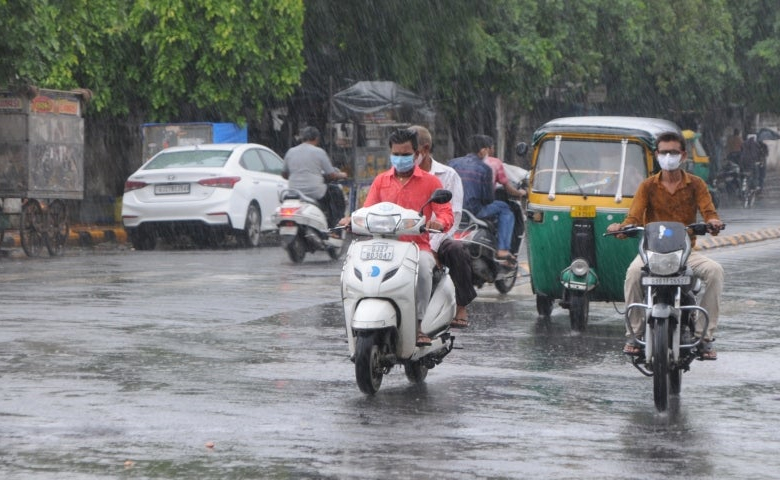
(80, 236)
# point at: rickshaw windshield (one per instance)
(586, 167)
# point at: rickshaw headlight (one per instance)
(664, 263)
(580, 267)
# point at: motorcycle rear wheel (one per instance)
(661, 372)
(368, 368)
(504, 285)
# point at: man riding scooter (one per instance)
(307, 166)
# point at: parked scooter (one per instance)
(378, 290)
(670, 306)
(481, 240)
(303, 227)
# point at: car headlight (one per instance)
(382, 223)
(664, 263)
(579, 267)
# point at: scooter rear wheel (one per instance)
(368, 368)
(296, 250)
(415, 371)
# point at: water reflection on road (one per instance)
(205, 364)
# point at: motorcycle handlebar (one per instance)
(699, 228)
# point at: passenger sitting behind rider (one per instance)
(674, 195)
(478, 193)
(406, 185)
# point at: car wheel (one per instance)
(251, 233)
(142, 239)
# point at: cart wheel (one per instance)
(32, 230)
(57, 233)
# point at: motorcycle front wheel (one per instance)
(368, 368)
(661, 373)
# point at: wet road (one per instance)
(233, 364)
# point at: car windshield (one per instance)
(588, 168)
(189, 158)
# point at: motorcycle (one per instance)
(733, 183)
(378, 291)
(670, 306)
(303, 227)
(480, 238)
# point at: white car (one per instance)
(204, 191)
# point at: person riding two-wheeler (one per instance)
(408, 186)
(479, 193)
(307, 166)
(674, 195)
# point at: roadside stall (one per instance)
(362, 117)
(41, 164)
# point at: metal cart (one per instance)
(41, 163)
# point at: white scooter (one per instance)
(303, 227)
(378, 290)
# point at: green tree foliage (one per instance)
(756, 26)
(161, 60)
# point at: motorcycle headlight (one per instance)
(382, 223)
(580, 267)
(664, 263)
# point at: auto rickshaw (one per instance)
(584, 173)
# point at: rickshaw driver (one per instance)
(674, 195)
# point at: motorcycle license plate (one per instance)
(684, 280)
(288, 230)
(376, 252)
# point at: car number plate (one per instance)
(684, 280)
(172, 189)
(376, 252)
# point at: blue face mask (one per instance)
(402, 163)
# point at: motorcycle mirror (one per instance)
(521, 148)
(439, 195)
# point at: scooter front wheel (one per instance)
(368, 368)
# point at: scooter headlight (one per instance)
(664, 263)
(580, 267)
(382, 223)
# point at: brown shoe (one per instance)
(423, 340)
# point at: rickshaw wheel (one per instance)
(59, 229)
(578, 311)
(32, 228)
(544, 305)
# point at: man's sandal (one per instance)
(459, 323)
(423, 340)
(632, 349)
(707, 352)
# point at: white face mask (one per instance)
(669, 161)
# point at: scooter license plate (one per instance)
(683, 280)
(293, 230)
(376, 252)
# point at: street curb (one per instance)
(79, 236)
(739, 238)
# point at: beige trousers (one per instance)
(710, 273)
